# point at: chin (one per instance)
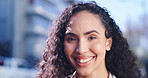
(83, 73)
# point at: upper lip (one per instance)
(83, 57)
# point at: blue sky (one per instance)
(123, 10)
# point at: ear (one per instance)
(108, 43)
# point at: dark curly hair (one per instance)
(120, 61)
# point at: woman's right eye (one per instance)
(71, 39)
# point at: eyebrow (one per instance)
(72, 34)
(86, 33)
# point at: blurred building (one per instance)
(6, 27)
(24, 26)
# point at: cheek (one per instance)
(98, 48)
(68, 49)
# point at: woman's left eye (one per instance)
(92, 38)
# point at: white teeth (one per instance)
(84, 60)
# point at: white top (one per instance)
(110, 75)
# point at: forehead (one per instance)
(84, 21)
(84, 15)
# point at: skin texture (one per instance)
(85, 39)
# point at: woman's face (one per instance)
(85, 44)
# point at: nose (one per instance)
(82, 47)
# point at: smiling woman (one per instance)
(86, 48)
(85, 42)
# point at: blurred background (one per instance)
(24, 28)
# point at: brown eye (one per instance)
(92, 38)
(71, 39)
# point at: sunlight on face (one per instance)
(85, 44)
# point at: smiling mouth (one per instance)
(84, 61)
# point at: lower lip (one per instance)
(84, 64)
